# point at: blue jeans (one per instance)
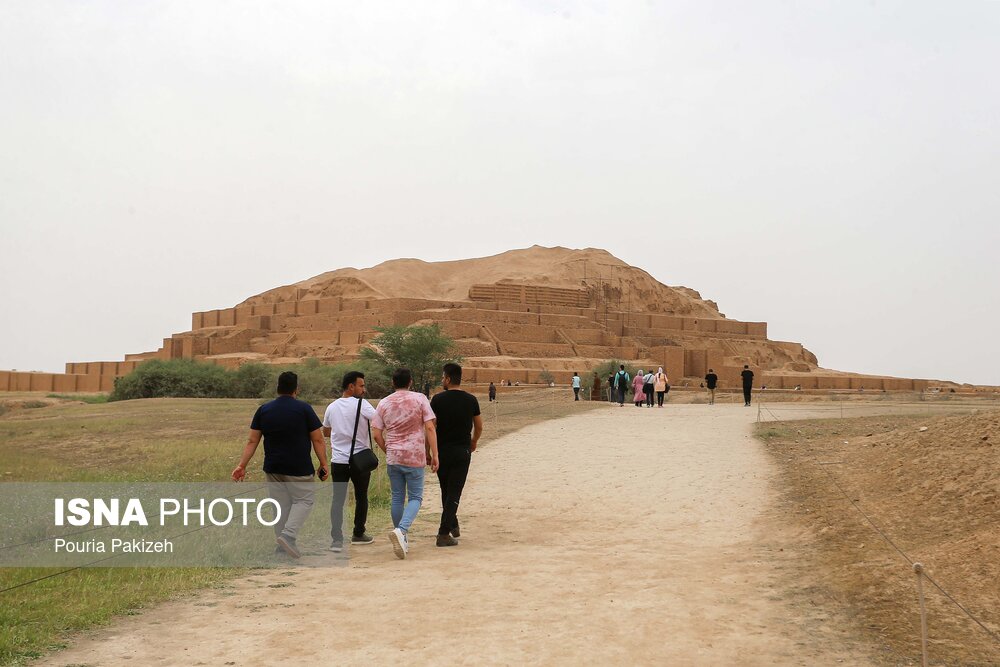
(411, 480)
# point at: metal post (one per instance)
(919, 570)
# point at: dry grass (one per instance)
(933, 492)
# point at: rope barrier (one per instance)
(922, 572)
(90, 564)
(918, 568)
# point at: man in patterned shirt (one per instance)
(404, 428)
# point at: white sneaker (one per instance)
(399, 545)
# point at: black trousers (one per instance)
(659, 398)
(747, 389)
(648, 389)
(342, 473)
(576, 393)
(452, 473)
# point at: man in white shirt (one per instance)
(340, 422)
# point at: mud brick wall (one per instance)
(54, 382)
(488, 317)
(695, 363)
(671, 358)
(604, 352)
(591, 337)
(530, 294)
(475, 348)
(866, 383)
(525, 333)
(538, 350)
(730, 376)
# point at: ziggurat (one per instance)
(514, 317)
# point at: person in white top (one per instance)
(339, 425)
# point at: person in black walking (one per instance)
(711, 382)
(493, 392)
(459, 425)
(747, 375)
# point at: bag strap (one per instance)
(354, 438)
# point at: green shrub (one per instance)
(253, 380)
(421, 348)
(174, 378)
(608, 368)
(184, 378)
(319, 382)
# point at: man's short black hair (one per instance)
(622, 367)
(288, 382)
(710, 370)
(350, 378)
(745, 366)
(454, 373)
(401, 378)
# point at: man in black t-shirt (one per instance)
(459, 425)
(291, 430)
(747, 376)
(711, 382)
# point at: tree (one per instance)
(421, 348)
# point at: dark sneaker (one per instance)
(362, 539)
(446, 541)
(288, 545)
(336, 547)
(455, 532)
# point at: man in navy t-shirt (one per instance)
(291, 430)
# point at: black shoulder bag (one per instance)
(365, 460)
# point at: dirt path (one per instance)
(615, 536)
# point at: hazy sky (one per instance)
(831, 168)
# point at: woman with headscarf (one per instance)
(660, 384)
(637, 385)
